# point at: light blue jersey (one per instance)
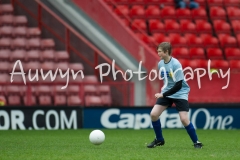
(171, 73)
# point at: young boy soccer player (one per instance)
(176, 91)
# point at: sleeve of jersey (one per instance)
(178, 72)
(174, 89)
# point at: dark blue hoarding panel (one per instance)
(137, 118)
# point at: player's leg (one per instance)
(157, 110)
(183, 108)
(190, 128)
(155, 113)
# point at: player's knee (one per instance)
(185, 121)
(154, 116)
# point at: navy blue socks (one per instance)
(158, 130)
(192, 132)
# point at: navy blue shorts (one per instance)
(181, 104)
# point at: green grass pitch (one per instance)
(118, 145)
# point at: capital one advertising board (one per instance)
(139, 118)
(40, 118)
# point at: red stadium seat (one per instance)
(6, 31)
(47, 44)
(227, 40)
(172, 26)
(193, 40)
(168, 13)
(137, 11)
(33, 32)
(5, 55)
(45, 100)
(106, 100)
(18, 55)
(234, 65)
(20, 31)
(61, 80)
(202, 3)
(146, 39)
(217, 13)
(47, 66)
(32, 55)
(48, 55)
(6, 20)
(32, 88)
(181, 52)
(159, 38)
(183, 13)
(62, 65)
(203, 26)
(6, 9)
(199, 13)
(163, 2)
(77, 80)
(33, 65)
(57, 89)
(156, 25)
(138, 24)
(5, 43)
(12, 90)
(90, 79)
(17, 68)
(19, 43)
(215, 3)
(220, 64)
(184, 62)
(233, 13)
(34, 44)
(90, 90)
(232, 53)
(221, 26)
(76, 66)
(104, 89)
(236, 26)
(238, 39)
(14, 100)
(152, 11)
(61, 56)
(187, 26)
(44, 90)
(60, 100)
(209, 41)
(137, 2)
(93, 101)
(73, 90)
(214, 53)
(177, 40)
(74, 100)
(31, 101)
(198, 63)
(20, 21)
(4, 77)
(197, 53)
(233, 3)
(121, 10)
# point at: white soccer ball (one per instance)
(97, 137)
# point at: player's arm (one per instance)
(174, 89)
